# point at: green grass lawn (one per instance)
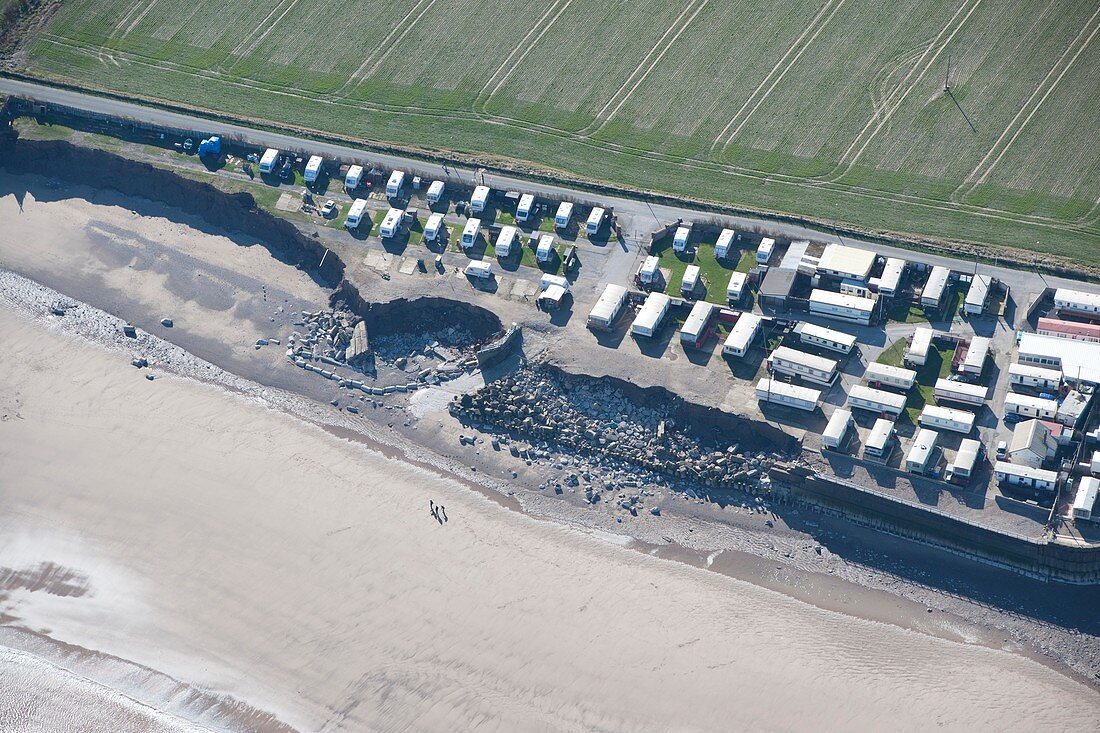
(906, 312)
(715, 272)
(937, 366)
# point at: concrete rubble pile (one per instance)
(592, 416)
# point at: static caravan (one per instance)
(435, 192)
(564, 215)
(313, 169)
(545, 251)
(595, 221)
(480, 269)
(526, 207)
(741, 336)
(433, 227)
(547, 280)
(790, 395)
(884, 375)
(470, 233)
(722, 246)
(785, 360)
(917, 353)
(835, 435)
(1024, 406)
(977, 295)
(842, 307)
(690, 281)
(270, 160)
(880, 441)
(355, 213)
(764, 251)
(962, 468)
(946, 418)
(919, 458)
(935, 287)
(876, 400)
(354, 177)
(735, 290)
(889, 282)
(1076, 301)
(391, 223)
(976, 354)
(506, 241)
(1084, 500)
(694, 330)
(826, 338)
(649, 318)
(680, 239)
(393, 186)
(1025, 375)
(1069, 330)
(650, 272)
(947, 390)
(608, 308)
(1025, 476)
(480, 199)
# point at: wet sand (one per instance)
(242, 551)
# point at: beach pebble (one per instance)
(166, 322)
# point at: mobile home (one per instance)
(976, 354)
(650, 271)
(649, 318)
(545, 251)
(1023, 405)
(735, 290)
(313, 169)
(722, 246)
(835, 435)
(947, 390)
(595, 221)
(785, 360)
(826, 338)
(977, 295)
(1026, 375)
(433, 227)
(920, 456)
(480, 269)
(270, 160)
(1077, 301)
(946, 418)
(680, 239)
(547, 280)
(356, 213)
(764, 250)
(880, 441)
(690, 281)
(526, 207)
(741, 336)
(1025, 476)
(391, 223)
(790, 395)
(1084, 499)
(962, 468)
(935, 287)
(506, 241)
(564, 215)
(889, 282)
(470, 233)
(608, 308)
(1068, 330)
(394, 185)
(480, 199)
(876, 400)
(694, 330)
(917, 353)
(885, 375)
(354, 177)
(435, 192)
(842, 307)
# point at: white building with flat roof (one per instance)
(836, 431)
(1018, 475)
(1077, 301)
(785, 360)
(1025, 405)
(1077, 360)
(1084, 500)
(880, 439)
(791, 395)
(935, 287)
(919, 458)
(876, 400)
(889, 376)
(947, 418)
(976, 354)
(966, 459)
(839, 260)
(1026, 375)
(841, 306)
(947, 390)
(889, 282)
(608, 308)
(812, 334)
(919, 346)
(695, 326)
(977, 295)
(741, 336)
(649, 318)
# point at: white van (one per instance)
(479, 269)
(545, 250)
(526, 204)
(353, 178)
(680, 241)
(564, 215)
(725, 241)
(270, 161)
(313, 169)
(391, 224)
(435, 192)
(431, 229)
(479, 199)
(506, 240)
(595, 221)
(393, 186)
(470, 232)
(355, 213)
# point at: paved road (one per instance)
(637, 217)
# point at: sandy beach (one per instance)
(248, 555)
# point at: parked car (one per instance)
(329, 210)
(1002, 450)
(287, 172)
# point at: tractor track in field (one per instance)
(373, 59)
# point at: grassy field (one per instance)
(841, 114)
(937, 366)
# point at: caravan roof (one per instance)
(354, 176)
